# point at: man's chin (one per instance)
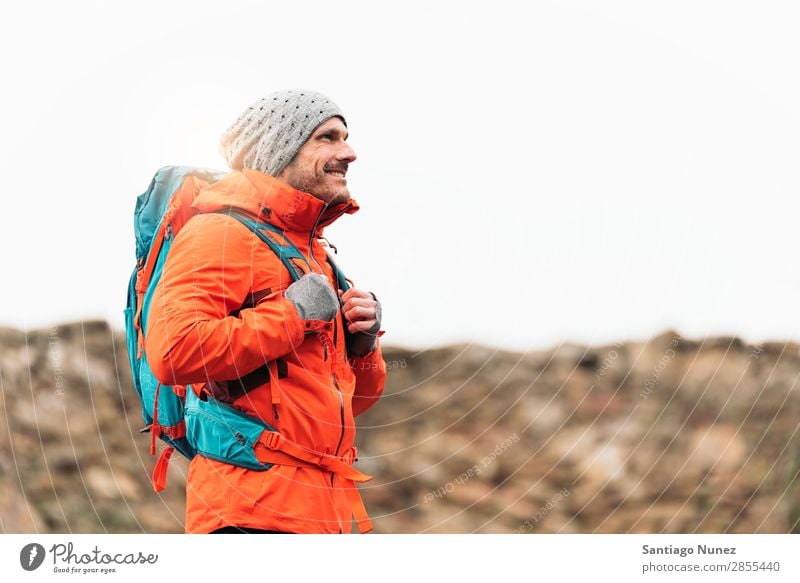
(339, 198)
(330, 198)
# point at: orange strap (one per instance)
(160, 469)
(277, 443)
(274, 389)
(143, 275)
(357, 507)
(156, 430)
(137, 319)
(276, 449)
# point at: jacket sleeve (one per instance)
(190, 335)
(370, 372)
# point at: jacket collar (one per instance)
(274, 200)
(298, 210)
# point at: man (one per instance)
(303, 357)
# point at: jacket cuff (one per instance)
(372, 354)
(295, 325)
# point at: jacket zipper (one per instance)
(341, 412)
(311, 240)
(314, 230)
(338, 389)
(333, 377)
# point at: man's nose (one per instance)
(346, 153)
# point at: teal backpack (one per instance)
(176, 415)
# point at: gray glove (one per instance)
(361, 343)
(313, 297)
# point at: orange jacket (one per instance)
(219, 314)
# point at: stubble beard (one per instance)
(331, 195)
(319, 188)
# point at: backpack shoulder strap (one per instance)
(286, 251)
(341, 280)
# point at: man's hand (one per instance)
(313, 297)
(360, 309)
(362, 315)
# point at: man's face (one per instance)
(320, 166)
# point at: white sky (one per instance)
(566, 171)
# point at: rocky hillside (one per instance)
(668, 435)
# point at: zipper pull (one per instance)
(329, 244)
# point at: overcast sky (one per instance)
(569, 171)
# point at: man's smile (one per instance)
(337, 173)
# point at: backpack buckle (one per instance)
(350, 456)
(272, 440)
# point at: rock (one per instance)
(670, 434)
(18, 515)
(112, 485)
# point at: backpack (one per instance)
(177, 415)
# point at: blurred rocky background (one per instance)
(668, 435)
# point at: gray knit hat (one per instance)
(271, 131)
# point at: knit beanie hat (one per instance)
(270, 132)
